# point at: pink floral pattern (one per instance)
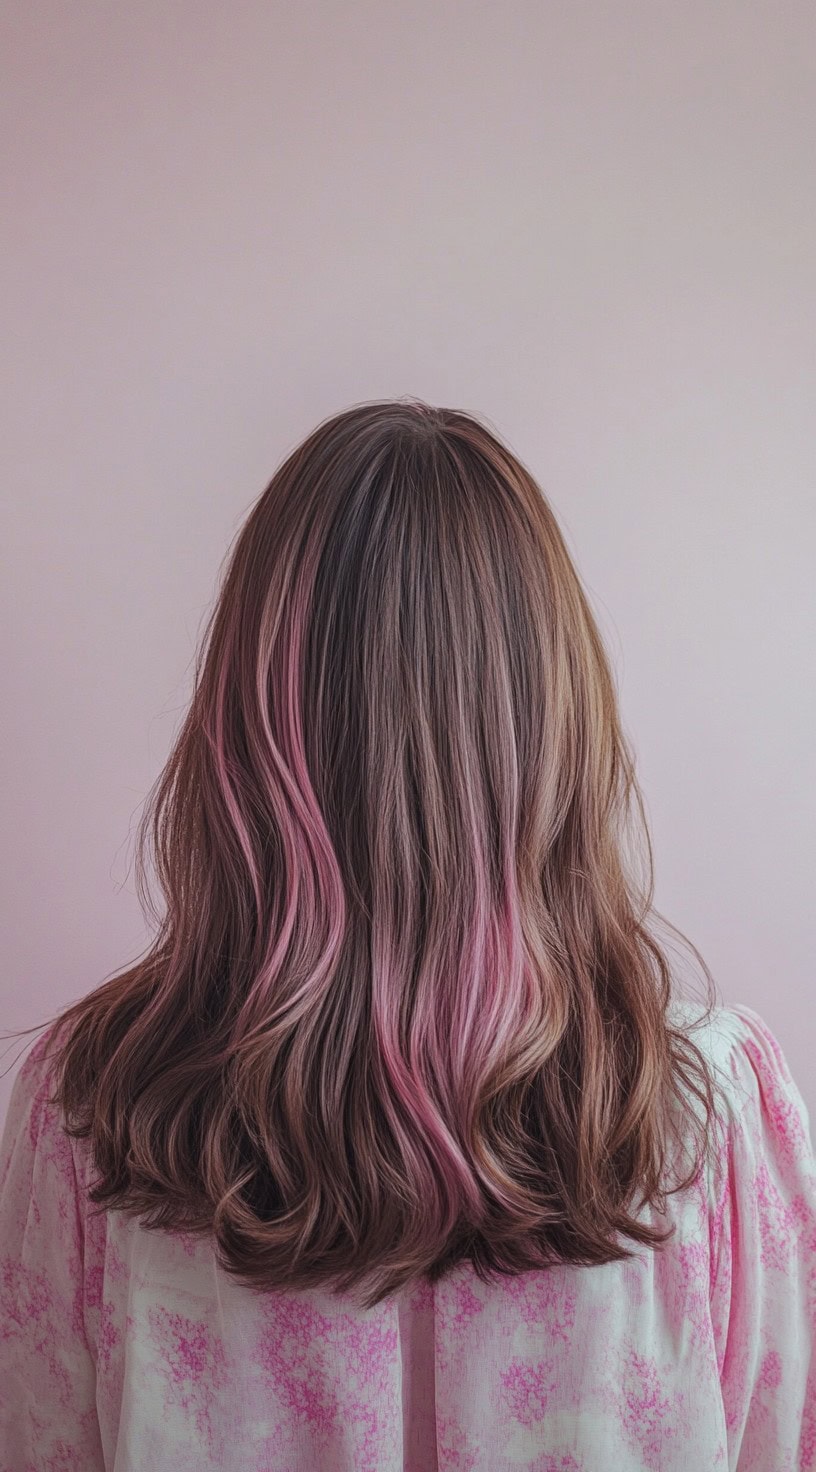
(132, 1350)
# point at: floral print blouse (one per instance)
(132, 1351)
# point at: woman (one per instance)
(400, 1149)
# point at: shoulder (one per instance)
(758, 1103)
(35, 1076)
(33, 1124)
(721, 1032)
(735, 1041)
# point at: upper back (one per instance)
(675, 1357)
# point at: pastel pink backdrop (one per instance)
(594, 224)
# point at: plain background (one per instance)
(593, 224)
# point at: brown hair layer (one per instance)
(404, 1005)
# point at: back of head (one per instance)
(403, 1007)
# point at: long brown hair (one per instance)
(404, 1006)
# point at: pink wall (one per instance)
(595, 224)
